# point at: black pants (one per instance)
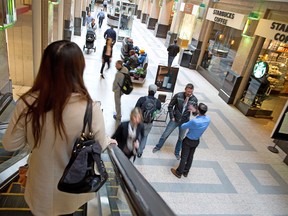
(187, 153)
(100, 21)
(106, 59)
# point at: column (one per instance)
(176, 21)
(84, 11)
(60, 17)
(68, 16)
(153, 14)
(78, 17)
(162, 25)
(139, 9)
(145, 11)
(37, 35)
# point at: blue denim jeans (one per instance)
(147, 129)
(169, 129)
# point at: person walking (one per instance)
(196, 128)
(101, 17)
(88, 19)
(105, 4)
(149, 106)
(179, 113)
(47, 119)
(129, 133)
(118, 81)
(106, 55)
(92, 25)
(173, 50)
(110, 33)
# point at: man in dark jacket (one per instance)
(179, 113)
(173, 50)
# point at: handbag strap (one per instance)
(88, 117)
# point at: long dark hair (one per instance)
(60, 74)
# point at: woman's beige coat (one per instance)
(47, 162)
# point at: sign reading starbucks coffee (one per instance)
(231, 19)
(273, 30)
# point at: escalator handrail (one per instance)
(5, 100)
(141, 196)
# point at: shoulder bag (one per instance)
(85, 171)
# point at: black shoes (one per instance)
(174, 171)
(139, 155)
(177, 157)
(102, 76)
(155, 149)
(185, 174)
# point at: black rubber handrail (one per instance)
(142, 198)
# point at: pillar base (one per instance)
(139, 14)
(161, 30)
(83, 17)
(144, 18)
(77, 26)
(196, 54)
(67, 30)
(170, 38)
(151, 22)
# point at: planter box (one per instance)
(139, 81)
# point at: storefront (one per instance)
(223, 43)
(267, 90)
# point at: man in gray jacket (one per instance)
(118, 81)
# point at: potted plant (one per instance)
(139, 72)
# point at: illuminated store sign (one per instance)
(260, 69)
(273, 30)
(227, 18)
(7, 14)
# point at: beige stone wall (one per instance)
(20, 50)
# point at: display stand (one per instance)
(126, 17)
(273, 148)
(165, 80)
(280, 131)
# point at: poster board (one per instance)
(164, 80)
(280, 130)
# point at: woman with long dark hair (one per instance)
(48, 118)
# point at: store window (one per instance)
(221, 51)
(275, 54)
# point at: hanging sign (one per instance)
(227, 18)
(273, 30)
(188, 8)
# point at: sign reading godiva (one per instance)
(231, 19)
(273, 30)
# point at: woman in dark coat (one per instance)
(130, 133)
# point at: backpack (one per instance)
(127, 85)
(148, 108)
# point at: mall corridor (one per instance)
(233, 172)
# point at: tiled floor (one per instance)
(233, 173)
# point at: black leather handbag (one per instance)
(81, 173)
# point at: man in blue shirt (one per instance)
(110, 33)
(196, 128)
